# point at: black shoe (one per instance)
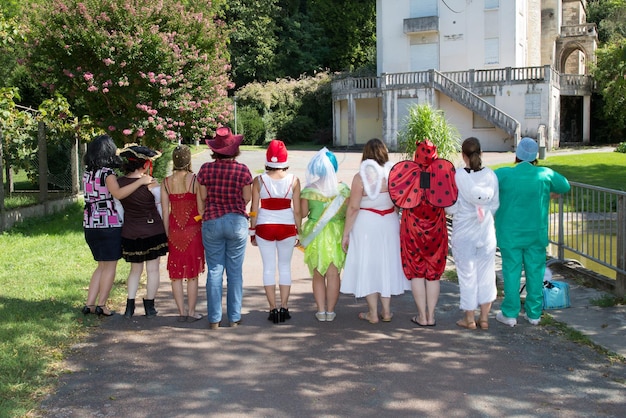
(284, 314)
(100, 312)
(273, 316)
(87, 309)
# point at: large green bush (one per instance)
(143, 70)
(426, 122)
(293, 110)
(250, 124)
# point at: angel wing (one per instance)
(372, 175)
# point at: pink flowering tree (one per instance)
(142, 70)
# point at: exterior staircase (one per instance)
(476, 104)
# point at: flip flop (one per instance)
(415, 321)
(182, 318)
(366, 317)
(194, 318)
(464, 324)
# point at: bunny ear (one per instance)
(443, 191)
(404, 184)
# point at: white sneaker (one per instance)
(321, 316)
(532, 321)
(506, 321)
(330, 316)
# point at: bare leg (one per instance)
(386, 303)
(106, 281)
(192, 295)
(284, 295)
(177, 291)
(319, 291)
(152, 270)
(333, 283)
(132, 283)
(270, 293)
(372, 304)
(483, 321)
(432, 296)
(101, 283)
(418, 287)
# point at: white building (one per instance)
(499, 69)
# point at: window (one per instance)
(492, 51)
(423, 8)
(533, 105)
(492, 4)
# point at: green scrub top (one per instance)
(522, 218)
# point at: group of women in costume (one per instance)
(387, 232)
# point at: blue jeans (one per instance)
(224, 242)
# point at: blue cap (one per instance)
(527, 150)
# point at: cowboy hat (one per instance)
(224, 142)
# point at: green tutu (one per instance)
(326, 246)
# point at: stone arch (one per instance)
(565, 49)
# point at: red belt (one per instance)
(380, 212)
(275, 203)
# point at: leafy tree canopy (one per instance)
(142, 70)
(276, 39)
(610, 66)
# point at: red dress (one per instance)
(186, 252)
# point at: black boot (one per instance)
(130, 308)
(148, 305)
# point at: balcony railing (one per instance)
(588, 29)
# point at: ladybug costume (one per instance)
(423, 188)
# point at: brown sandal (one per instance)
(464, 324)
(483, 324)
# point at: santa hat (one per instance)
(276, 156)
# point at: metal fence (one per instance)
(589, 224)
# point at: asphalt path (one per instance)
(158, 367)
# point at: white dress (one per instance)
(373, 263)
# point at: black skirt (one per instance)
(144, 249)
(105, 243)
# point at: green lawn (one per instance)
(604, 169)
(45, 267)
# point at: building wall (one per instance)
(525, 30)
(550, 29)
(466, 37)
(370, 120)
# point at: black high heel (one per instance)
(273, 316)
(284, 314)
(100, 312)
(87, 309)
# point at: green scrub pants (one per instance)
(533, 260)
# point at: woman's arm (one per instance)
(354, 204)
(297, 206)
(256, 198)
(304, 208)
(200, 198)
(121, 192)
(165, 207)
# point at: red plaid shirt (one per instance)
(224, 181)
